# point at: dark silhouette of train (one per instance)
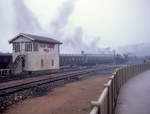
(5, 60)
(70, 59)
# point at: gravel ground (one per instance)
(72, 98)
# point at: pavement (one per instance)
(134, 97)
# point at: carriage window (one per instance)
(28, 46)
(35, 47)
(16, 47)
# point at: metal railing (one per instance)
(4, 72)
(107, 101)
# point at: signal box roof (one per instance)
(36, 38)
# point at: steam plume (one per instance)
(25, 21)
(61, 20)
(18, 18)
(72, 43)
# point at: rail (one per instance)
(61, 78)
(107, 101)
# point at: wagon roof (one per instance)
(36, 38)
(5, 54)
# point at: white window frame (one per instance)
(28, 46)
(35, 46)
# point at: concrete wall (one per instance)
(33, 59)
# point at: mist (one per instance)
(25, 20)
(105, 26)
(72, 39)
(6, 24)
(14, 20)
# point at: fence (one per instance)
(4, 72)
(107, 101)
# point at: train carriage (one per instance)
(70, 59)
(5, 60)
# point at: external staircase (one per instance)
(18, 64)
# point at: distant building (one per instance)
(34, 53)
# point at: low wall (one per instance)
(106, 103)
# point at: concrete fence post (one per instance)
(115, 86)
(110, 94)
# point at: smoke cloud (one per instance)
(136, 50)
(72, 43)
(18, 18)
(61, 20)
(76, 41)
(15, 18)
(25, 20)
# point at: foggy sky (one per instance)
(94, 24)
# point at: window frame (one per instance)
(28, 46)
(16, 47)
(35, 46)
(52, 63)
(42, 63)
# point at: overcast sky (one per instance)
(115, 22)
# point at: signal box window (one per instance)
(35, 47)
(16, 47)
(28, 46)
(42, 63)
(52, 62)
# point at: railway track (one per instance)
(6, 78)
(74, 75)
